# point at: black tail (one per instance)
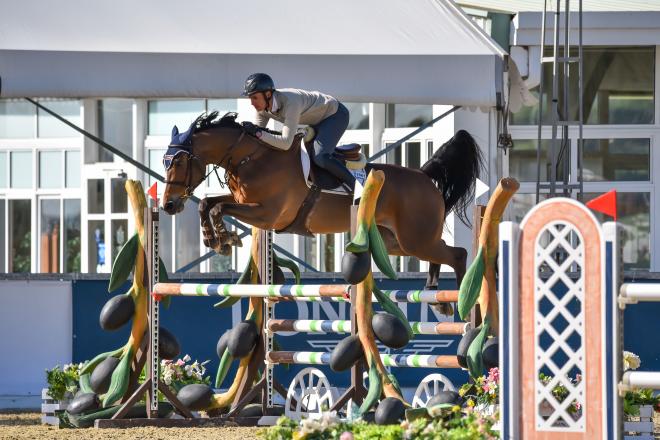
(454, 168)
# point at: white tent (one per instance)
(413, 51)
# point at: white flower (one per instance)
(630, 361)
(186, 358)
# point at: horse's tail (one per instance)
(454, 168)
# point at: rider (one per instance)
(292, 107)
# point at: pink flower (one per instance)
(346, 436)
(577, 406)
(494, 375)
(180, 362)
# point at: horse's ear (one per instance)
(175, 131)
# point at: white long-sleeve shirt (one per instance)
(294, 107)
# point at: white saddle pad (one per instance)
(360, 174)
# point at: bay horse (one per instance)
(268, 188)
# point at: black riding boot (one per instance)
(337, 169)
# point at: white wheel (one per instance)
(429, 387)
(309, 395)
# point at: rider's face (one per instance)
(258, 100)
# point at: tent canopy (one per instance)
(417, 51)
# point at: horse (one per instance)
(267, 188)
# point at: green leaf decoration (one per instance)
(227, 301)
(223, 368)
(395, 383)
(292, 266)
(360, 242)
(89, 366)
(379, 252)
(124, 263)
(474, 356)
(246, 276)
(85, 385)
(375, 389)
(390, 307)
(471, 285)
(119, 380)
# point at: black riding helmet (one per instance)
(258, 82)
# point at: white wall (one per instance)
(36, 321)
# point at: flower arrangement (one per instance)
(560, 392)
(63, 383)
(180, 373)
(484, 391)
(638, 397)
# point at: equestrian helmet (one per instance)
(258, 82)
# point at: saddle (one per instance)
(349, 154)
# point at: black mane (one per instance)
(206, 121)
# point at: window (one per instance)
(407, 115)
(71, 236)
(119, 201)
(50, 169)
(17, 119)
(359, 115)
(618, 88)
(327, 253)
(119, 231)
(522, 161)
(49, 236)
(618, 160)
(95, 196)
(222, 105)
(187, 237)
(115, 126)
(164, 114)
(51, 127)
(413, 154)
(308, 245)
(633, 211)
(96, 247)
(21, 169)
(72, 171)
(156, 164)
(3, 247)
(19, 243)
(4, 170)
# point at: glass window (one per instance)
(164, 114)
(359, 115)
(413, 154)
(618, 160)
(308, 245)
(221, 105)
(115, 126)
(119, 236)
(407, 115)
(95, 196)
(429, 150)
(327, 253)
(19, 243)
(521, 204)
(49, 237)
(51, 127)
(187, 237)
(119, 202)
(17, 119)
(156, 164)
(4, 170)
(21, 169)
(72, 169)
(366, 150)
(71, 237)
(618, 88)
(96, 247)
(410, 264)
(50, 169)
(633, 211)
(522, 161)
(393, 156)
(3, 248)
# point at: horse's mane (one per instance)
(207, 121)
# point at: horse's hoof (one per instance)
(435, 287)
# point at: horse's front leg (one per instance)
(209, 228)
(249, 213)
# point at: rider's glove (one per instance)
(251, 128)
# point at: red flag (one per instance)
(153, 191)
(605, 203)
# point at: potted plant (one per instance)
(483, 393)
(638, 404)
(62, 386)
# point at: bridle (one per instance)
(169, 159)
